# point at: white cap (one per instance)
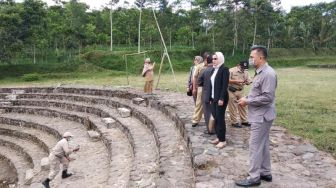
(67, 134)
(147, 60)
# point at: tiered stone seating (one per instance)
(159, 156)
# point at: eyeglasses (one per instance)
(214, 58)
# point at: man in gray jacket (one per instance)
(261, 113)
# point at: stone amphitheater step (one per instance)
(145, 164)
(34, 150)
(47, 136)
(91, 167)
(19, 161)
(145, 160)
(8, 172)
(172, 151)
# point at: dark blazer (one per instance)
(205, 82)
(221, 84)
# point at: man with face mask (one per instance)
(261, 114)
(238, 79)
(60, 154)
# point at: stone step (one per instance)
(47, 135)
(18, 161)
(19, 149)
(8, 173)
(33, 150)
(24, 136)
(120, 162)
(147, 115)
(92, 162)
(146, 156)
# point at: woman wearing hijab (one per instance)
(219, 97)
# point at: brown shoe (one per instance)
(221, 145)
(215, 142)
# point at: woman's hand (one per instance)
(220, 102)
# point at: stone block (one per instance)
(138, 100)
(29, 176)
(94, 136)
(11, 97)
(124, 112)
(5, 103)
(18, 91)
(45, 163)
(2, 111)
(110, 122)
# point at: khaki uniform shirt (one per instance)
(148, 71)
(62, 149)
(237, 74)
(198, 69)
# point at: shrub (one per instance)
(30, 77)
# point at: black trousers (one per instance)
(218, 112)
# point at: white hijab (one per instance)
(220, 59)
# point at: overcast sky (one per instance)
(286, 4)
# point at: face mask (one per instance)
(251, 62)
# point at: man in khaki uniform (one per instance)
(60, 155)
(238, 78)
(148, 73)
(197, 90)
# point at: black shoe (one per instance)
(237, 125)
(248, 183)
(247, 124)
(267, 178)
(45, 183)
(194, 124)
(65, 174)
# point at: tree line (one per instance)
(32, 29)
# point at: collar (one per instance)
(260, 69)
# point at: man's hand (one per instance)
(194, 92)
(242, 102)
(220, 102)
(76, 149)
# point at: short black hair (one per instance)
(260, 48)
(209, 59)
(205, 55)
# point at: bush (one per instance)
(30, 77)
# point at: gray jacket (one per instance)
(261, 99)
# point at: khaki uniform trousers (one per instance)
(55, 165)
(198, 111)
(236, 110)
(148, 87)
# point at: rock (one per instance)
(306, 173)
(5, 103)
(29, 176)
(138, 100)
(2, 111)
(18, 91)
(299, 150)
(124, 112)
(110, 123)
(11, 97)
(201, 161)
(308, 156)
(45, 163)
(298, 167)
(94, 136)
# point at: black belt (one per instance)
(233, 89)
